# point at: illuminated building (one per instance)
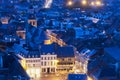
(65, 57)
(32, 20)
(32, 64)
(48, 63)
(5, 20)
(21, 33)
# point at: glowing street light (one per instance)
(84, 2)
(92, 3)
(98, 3)
(70, 3)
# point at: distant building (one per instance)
(33, 64)
(32, 20)
(48, 63)
(5, 20)
(48, 59)
(21, 34)
(66, 59)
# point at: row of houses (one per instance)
(102, 64)
(49, 59)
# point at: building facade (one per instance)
(48, 63)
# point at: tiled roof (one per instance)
(108, 72)
(114, 52)
(45, 49)
(65, 51)
(33, 53)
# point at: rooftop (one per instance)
(114, 52)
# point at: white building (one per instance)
(33, 64)
(48, 63)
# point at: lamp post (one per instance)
(70, 3)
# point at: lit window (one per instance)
(45, 64)
(45, 58)
(33, 65)
(51, 63)
(41, 63)
(69, 59)
(51, 58)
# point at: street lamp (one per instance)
(92, 3)
(70, 3)
(84, 2)
(98, 3)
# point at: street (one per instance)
(52, 77)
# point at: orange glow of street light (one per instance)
(70, 3)
(92, 3)
(98, 3)
(84, 2)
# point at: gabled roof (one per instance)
(114, 52)
(45, 49)
(107, 72)
(31, 16)
(33, 53)
(39, 36)
(65, 51)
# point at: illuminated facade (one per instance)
(65, 64)
(66, 59)
(48, 63)
(32, 20)
(5, 20)
(21, 33)
(33, 67)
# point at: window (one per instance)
(51, 58)
(33, 65)
(45, 64)
(51, 63)
(69, 59)
(45, 58)
(41, 63)
(43, 70)
(52, 69)
(48, 63)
